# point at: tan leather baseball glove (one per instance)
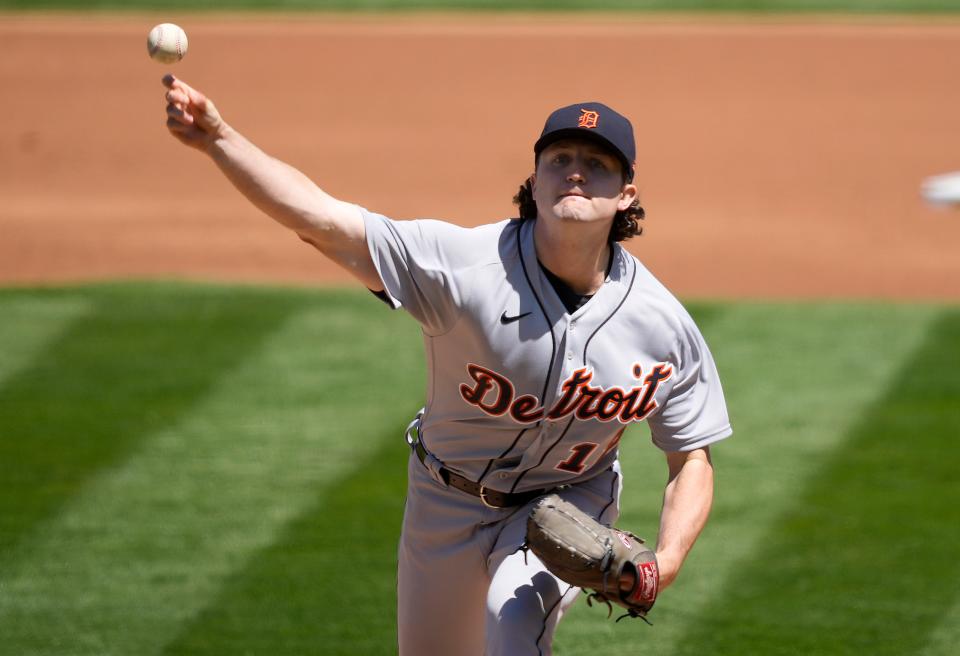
(583, 552)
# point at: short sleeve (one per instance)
(415, 265)
(694, 413)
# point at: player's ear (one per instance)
(533, 181)
(628, 194)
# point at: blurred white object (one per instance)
(942, 190)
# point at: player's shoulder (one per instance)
(472, 246)
(478, 234)
(466, 245)
(651, 298)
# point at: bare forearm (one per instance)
(686, 505)
(276, 188)
(281, 191)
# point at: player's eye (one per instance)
(561, 159)
(598, 164)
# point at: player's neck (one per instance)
(579, 257)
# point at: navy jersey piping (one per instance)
(553, 355)
(615, 310)
(585, 346)
(544, 456)
(547, 617)
(613, 487)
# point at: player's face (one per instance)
(579, 180)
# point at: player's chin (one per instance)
(580, 211)
(573, 208)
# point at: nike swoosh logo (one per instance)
(504, 319)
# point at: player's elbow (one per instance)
(309, 239)
(319, 231)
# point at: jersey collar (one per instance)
(611, 294)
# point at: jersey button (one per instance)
(569, 355)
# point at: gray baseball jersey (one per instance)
(522, 395)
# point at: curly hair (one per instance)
(626, 223)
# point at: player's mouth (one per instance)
(574, 194)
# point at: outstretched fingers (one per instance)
(181, 93)
(174, 83)
(183, 133)
(178, 114)
(191, 117)
(175, 97)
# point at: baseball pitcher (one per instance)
(545, 339)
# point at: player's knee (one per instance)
(517, 623)
(518, 612)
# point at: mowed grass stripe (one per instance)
(943, 640)
(145, 545)
(136, 361)
(328, 584)
(29, 323)
(864, 561)
(796, 378)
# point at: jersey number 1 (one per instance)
(578, 456)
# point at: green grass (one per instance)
(129, 365)
(858, 563)
(196, 469)
(758, 6)
(328, 584)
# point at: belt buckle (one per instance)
(412, 434)
(483, 498)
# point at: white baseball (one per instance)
(942, 190)
(167, 43)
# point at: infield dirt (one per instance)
(775, 159)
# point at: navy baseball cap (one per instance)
(591, 120)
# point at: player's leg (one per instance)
(525, 602)
(442, 577)
(524, 605)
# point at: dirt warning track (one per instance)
(775, 159)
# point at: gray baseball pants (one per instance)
(464, 586)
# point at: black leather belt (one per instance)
(490, 498)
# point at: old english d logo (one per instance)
(588, 119)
